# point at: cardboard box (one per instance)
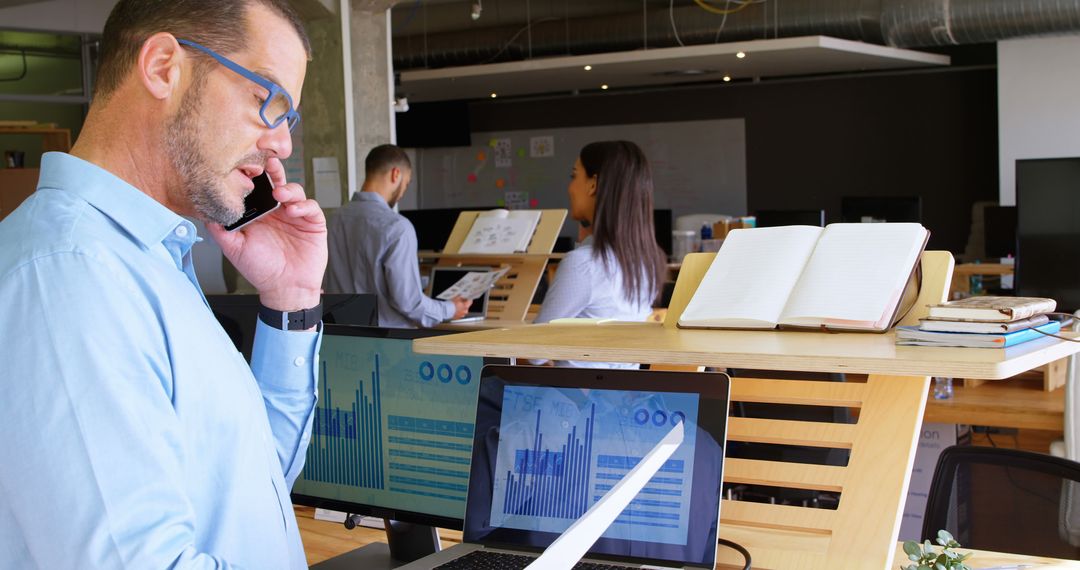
(16, 185)
(933, 439)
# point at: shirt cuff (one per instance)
(285, 359)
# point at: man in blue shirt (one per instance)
(134, 435)
(373, 248)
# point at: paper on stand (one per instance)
(575, 541)
(473, 284)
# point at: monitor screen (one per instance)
(774, 218)
(999, 231)
(434, 124)
(1048, 230)
(442, 278)
(857, 209)
(662, 226)
(392, 432)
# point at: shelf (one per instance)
(1015, 403)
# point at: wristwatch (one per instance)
(291, 320)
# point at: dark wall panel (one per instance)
(811, 142)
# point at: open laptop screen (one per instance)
(442, 278)
(550, 442)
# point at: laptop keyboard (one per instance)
(487, 560)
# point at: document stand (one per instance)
(510, 298)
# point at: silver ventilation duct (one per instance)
(551, 30)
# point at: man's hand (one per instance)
(461, 306)
(283, 254)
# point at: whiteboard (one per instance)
(697, 166)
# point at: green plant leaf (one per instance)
(912, 547)
(939, 566)
(924, 567)
(944, 535)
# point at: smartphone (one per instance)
(258, 203)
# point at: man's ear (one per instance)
(395, 174)
(159, 65)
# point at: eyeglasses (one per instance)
(277, 107)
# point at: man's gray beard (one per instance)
(204, 189)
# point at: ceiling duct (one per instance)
(550, 31)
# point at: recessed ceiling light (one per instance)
(727, 78)
(588, 68)
(494, 95)
(741, 54)
(603, 86)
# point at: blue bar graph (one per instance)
(346, 444)
(544, 483)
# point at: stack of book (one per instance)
(983, 322)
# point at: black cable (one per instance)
(738, 548)
(21, 75)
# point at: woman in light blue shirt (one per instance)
(617, 270)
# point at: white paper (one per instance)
(473, 284)
(575, 541)
(501, 231)
(503, 153)
(327, 181)
(542, 147)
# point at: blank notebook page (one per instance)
(857, 272)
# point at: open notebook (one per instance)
(843, 276)
(554, 444)
(501, 231)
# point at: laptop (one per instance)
(442, 278)
(549, 443)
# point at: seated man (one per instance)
(373, 248)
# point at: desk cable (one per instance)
(1065, 319)
(739, 548)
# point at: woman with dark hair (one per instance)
(618, 269)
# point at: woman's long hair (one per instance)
(623, 223)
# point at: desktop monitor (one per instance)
(1048, 230)
(350, 309)
(392, 431)
(662, 227)
(773, 218)
(881, 209)
(999, 231)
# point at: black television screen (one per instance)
(1048, 230)
(442, 123)
(881, 209)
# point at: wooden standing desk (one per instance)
(324, 540)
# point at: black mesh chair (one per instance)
(1007, 500)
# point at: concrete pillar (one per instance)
(372, 91)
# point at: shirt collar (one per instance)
(363, 196)
(141, 216)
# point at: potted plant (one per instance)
(925, 558)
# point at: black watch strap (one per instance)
(291, 320)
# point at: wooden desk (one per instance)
(961, 277)
(862, 532)
(324, 540)
(1016, 403)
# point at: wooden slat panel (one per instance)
(877, 472)
(792, 475)
(805, 392)
(787, 432)
(773, 549)
(787, 517)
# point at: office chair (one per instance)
(1006, 499)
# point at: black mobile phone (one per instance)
(258, 203)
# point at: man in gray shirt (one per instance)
(373, 248)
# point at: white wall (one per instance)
(59, 15)
(1038, 103)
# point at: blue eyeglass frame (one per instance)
(292, 115)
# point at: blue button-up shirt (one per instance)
(373, 250)
(132, 433)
